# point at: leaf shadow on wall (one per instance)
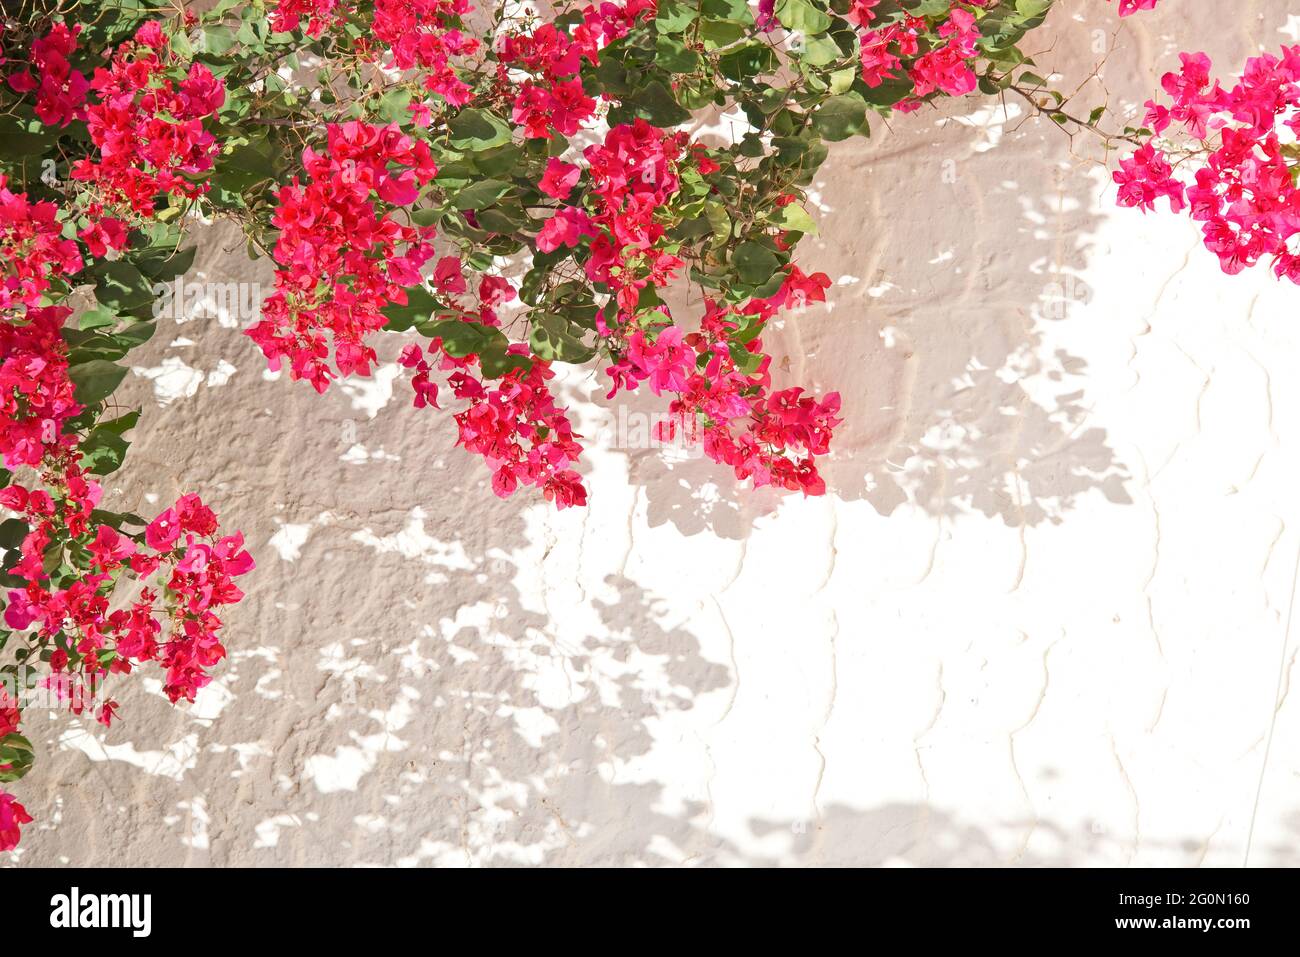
(477, 734)
(428, 678)
(397, 694)
(955, 243)
(391, 695)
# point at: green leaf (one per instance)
(12, 533)
(420, 304)
(796, 218)
(392, 106)
(251, 159)
(102, 451)
(842, 80)
(16, 752)
(477, 195)
(496, 362)
(802, 16)
(122, 424)
(819, 51)
(840, 116)
(652, 102)
(551, 338)
(163, 264)
(17, 742)
(26, 138)
(216, 39)
(461, 338)
(747, 60)
(117, 519)
(719, 222)
(720, 33)
(97, 317)
(95, 380)
(499, 162)
(134, 335)
(121, 286)
(725, 9)
(888, 92)
(673, 56)
(1032, 8)
(755, 264)
(505, 218)
(673, 17)
(477, 130)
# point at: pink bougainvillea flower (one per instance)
(163, 532)
(110, 548)
(12, 816)
(147, 127)
(559, 178)
(1242, 186)
(60, 90)
(107, 712)
(1129, 7)
(448, 277)
(504, 481)
(20, 611)
(495, 290)
(665, 362)
(565, 228)
(103, 235)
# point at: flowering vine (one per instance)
(511, 192)
(91, 593)
(475, 159)
(1230, 167)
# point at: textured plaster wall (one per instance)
(1042, 619)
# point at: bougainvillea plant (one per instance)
(1228, 157)
(392, 158)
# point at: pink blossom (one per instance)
(162, 533)
(1242, 186)
(565, 228)
(447, 276)
(1129, 7)
(104, 234)
(559, 178)
(110, 548)
(12, 816)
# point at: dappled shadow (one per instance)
(956, 238)
(424, 674)
(437, 681)
(403, 702)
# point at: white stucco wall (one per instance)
(1042, 618)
